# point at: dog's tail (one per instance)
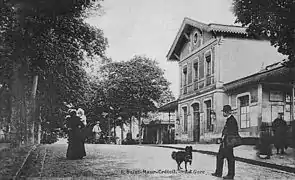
(173, 155)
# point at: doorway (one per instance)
(196, 122)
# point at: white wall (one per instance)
(243, 57)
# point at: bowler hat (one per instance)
(226, 108)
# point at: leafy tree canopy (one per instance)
(273, 19)
(50, 39)
(135, 86)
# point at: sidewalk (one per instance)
(246, 154)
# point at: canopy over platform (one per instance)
(169, 107)
(279, 75)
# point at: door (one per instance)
(196, 122)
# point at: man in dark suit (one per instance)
(230, 128)
(280, 128)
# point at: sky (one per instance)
(149, 27)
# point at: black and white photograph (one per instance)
(147, 89)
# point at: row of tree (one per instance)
(42, 59)
(45, 54)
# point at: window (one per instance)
(208, 65)
(209, 69)
(184, 119)
(195, 38)
(244, 111)
(208, 115)
(184, 73)
(184, 80)
(196, 70)
(201, 68)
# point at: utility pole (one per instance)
(169, 138)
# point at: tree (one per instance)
(272, 19)
(50, 40)
(135, 86)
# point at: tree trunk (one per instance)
(23, 118)
(139, 127)
(16, 107)
(122, 134)
(33, 110)
(115, 132)
(38, 123)
(131, 126)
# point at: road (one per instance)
(141, 162)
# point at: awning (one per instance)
(169, 107)
(277, 75)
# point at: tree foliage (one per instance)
(273, 19)
(134, 87)
(49, 39)
(137, 84)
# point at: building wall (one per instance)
(272, 104)
(254, 112)
(217, 98)
(192, 83)
(243, 57)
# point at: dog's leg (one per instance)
(180, 165)
(185, 166)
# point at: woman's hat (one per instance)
(227, 108)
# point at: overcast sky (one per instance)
(148, 27)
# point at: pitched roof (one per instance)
(187, 23)
(227, 29)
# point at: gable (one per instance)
(190, 28)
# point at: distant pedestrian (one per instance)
(97, 132)
(280, 128)
(2, 134)
(264, 146)
(226, 151)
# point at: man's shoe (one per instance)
(216, 175)
(228, 177)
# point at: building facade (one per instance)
(211, 58)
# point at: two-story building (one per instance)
(213, 58)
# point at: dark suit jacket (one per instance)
(231, 126)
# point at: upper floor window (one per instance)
(201, 68)
(208, 64)
(209, 69)
(195, 38)
(184, 73)
(196, 70)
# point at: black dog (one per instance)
(181, 156)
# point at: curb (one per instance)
(249, 161)
(24, 162)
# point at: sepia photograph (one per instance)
(147, 89)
